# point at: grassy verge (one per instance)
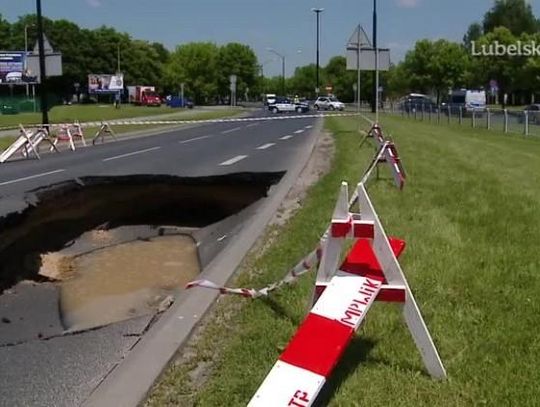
(122, 130)
(85, 113)
(470, 217)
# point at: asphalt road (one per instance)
(64, 370)
(210, 149)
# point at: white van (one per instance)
(466, 100)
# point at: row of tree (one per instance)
(205, 68)
(435, 66)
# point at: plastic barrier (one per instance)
(28, 142)
(343, 296)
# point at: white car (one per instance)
(286, 105)
(14, 77)
(328, 103)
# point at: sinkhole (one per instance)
(120, 247)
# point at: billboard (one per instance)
(12, 68)
(105, 83)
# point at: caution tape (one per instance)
(135, 122)
(303, 267)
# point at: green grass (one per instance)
(83, 113)
(120, 130)
(470, 214)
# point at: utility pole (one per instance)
(375, 74)
(42, 72)
(317, 11)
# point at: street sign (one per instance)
(359, 39)
(367, 59)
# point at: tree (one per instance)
(303, 81)
(240, 60)
(5, 33)
(506, 70)
(436, 66)
(195, 65)
(474, 32)
(340, 78)
(516, 15)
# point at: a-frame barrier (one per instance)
(104, 130)
(386, 153)
(69, 133)
(343, 296)
(27, 143)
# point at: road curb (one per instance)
(130, 382)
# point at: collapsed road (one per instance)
(201, 189)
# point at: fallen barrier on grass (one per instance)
(28, 143)
(343, 296)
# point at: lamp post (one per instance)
(272, 50)
(375, 74)
(317, 11)
(42, 73)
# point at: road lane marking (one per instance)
(233, 160)
(116, 157)
(252, 125)
(231, 130)
(286, 137)
(43, 174)
(265, 146)
(299, 131)
(193, 139)
(309, 127)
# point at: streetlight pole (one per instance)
(375, 74)
(272, 50)
(317, 11)
(42, 73)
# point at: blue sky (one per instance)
(285, 25)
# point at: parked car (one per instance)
(286, 105)
(533, 112)
(328, 103)
(466, 101)
(417, 102)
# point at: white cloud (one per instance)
(94, 3)
(408, 3)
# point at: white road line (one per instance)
(265, 146)
(116, 157)
(252, 125)
(193, 139)
(309, 127)
(234, 160)
(286, 137)
(299, 131)
(44, 174)
(231, 130)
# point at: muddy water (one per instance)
(125, 281)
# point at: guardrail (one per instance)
(504, 120)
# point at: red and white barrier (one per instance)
(343, 296)
(27, 143)
(386, 153)
(70, 133)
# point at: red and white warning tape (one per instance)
(303, 267)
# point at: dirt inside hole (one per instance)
(125, 281)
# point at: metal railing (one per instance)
(504, 120)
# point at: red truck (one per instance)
(144, 96)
